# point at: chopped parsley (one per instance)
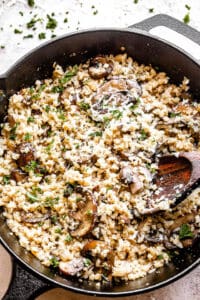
(135, 105)
(95, 12)
(32, 22)
(31, 3)
(136, 1)
(186, 18)
(42, 35)
(68, 75)
(17, 31)
(173, 114)
(27, 137)
(28, 36)
(57, 89)
(54, 219)
(143, 135)
(13, 132)
(50, 202)
(68, 238)
(6, 179)
(89, 212)
(185, 232)
(31, 166)
(52, 23)
(47, 108)
(65, 20)
(96, 133)
(54, 262)
(32, 197)
(2, 46)
(21, 13)
(58, 230)
(87, 262)
(49, 147)
(151, 10)
(84, 106)
(30, 120)
(117, 114)
(187, 6)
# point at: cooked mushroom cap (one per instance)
(86, 215)
(18, 175)
(26, 151)
(112, 95)
(100, 67)
(73, 267)
(189, 218)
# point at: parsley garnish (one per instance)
(50, 202)
(27, 137)
(143, 135)
(185, 232)
(17, 31)
(13, 132)
(87, 262)
(57, 89)
(68, 238)
(173, 114)
(151, 10)
(84, 106)
(30, 119)
(58, 230)
(32, 22)
(42, 35)
(6, 179)
(31, 3)
(117, 114)
(96, 133)
(186, 18)
(29, 36)
(54, 262)
(31, 166)
(52, 23)
(32, 198)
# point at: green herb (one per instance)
(95, 12)
(77, 146)
(143, 135)
(29, 36)
(52, 23)
(32, 22)
(17, 31)
(50, 202)
(62, 116)
(53, 36)
(173, 114)
(6, 179)
(136, 1)
(54, 263)
(65, 20)
(58, 230)
(106, 121)
(67, 77)
(57, 89)
(186, 18)
(49, 147)
(187, 6)
(42, 88)
(117, 114)
(31, 166)
(2, 46)
(89, 212)
(84, 106)
(30, 120)
(42, 36)
(21, 13)
(47, 108)
(160, 256)
(96, 133)
(68, 238)
(54, 219)
(78, 199)
(135, 105)
(185, 232)
(151, 10)
(36, 189)
(32, 198)
(13, 132)
(36, 96)
(27, 137)
(87, 262)
(31, 3)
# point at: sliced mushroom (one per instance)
(127, 175)
(136, 186)
(73, 267)
(100, 67)
(18, 175)
(113, 95)
(189, 218)
(86, 214)
(26, 151)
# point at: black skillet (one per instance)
(73, 49)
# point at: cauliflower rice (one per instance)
(78, 153)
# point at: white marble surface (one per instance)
(114, 13)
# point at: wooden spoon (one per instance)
(177, 177)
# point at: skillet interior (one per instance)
(145, 49)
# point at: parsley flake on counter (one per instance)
(186, 18)
(28, 36)
(42, 36)
(52, 23)
(54, 262)
(2, 47)
(136, 1)
(17, 31)
(65, 20)
(32, 22)
(185, 232)
(187, 6)
(21, 13)
(31, 3)
(151, 10)
(95, 12)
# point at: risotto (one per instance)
(78, 155)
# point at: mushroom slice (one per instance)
(114, 94)
(86, 214)
(189, 218)
(100, 67)
(26, 151)
(127, 175)
(31, 218)
(18, 175)
(72, 267)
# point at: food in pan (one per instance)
(78, 157)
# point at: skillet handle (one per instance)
(24, 285)
(179, 27)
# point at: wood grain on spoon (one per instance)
(176, 178)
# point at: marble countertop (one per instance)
(71, 16)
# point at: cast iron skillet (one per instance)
(73, 49)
